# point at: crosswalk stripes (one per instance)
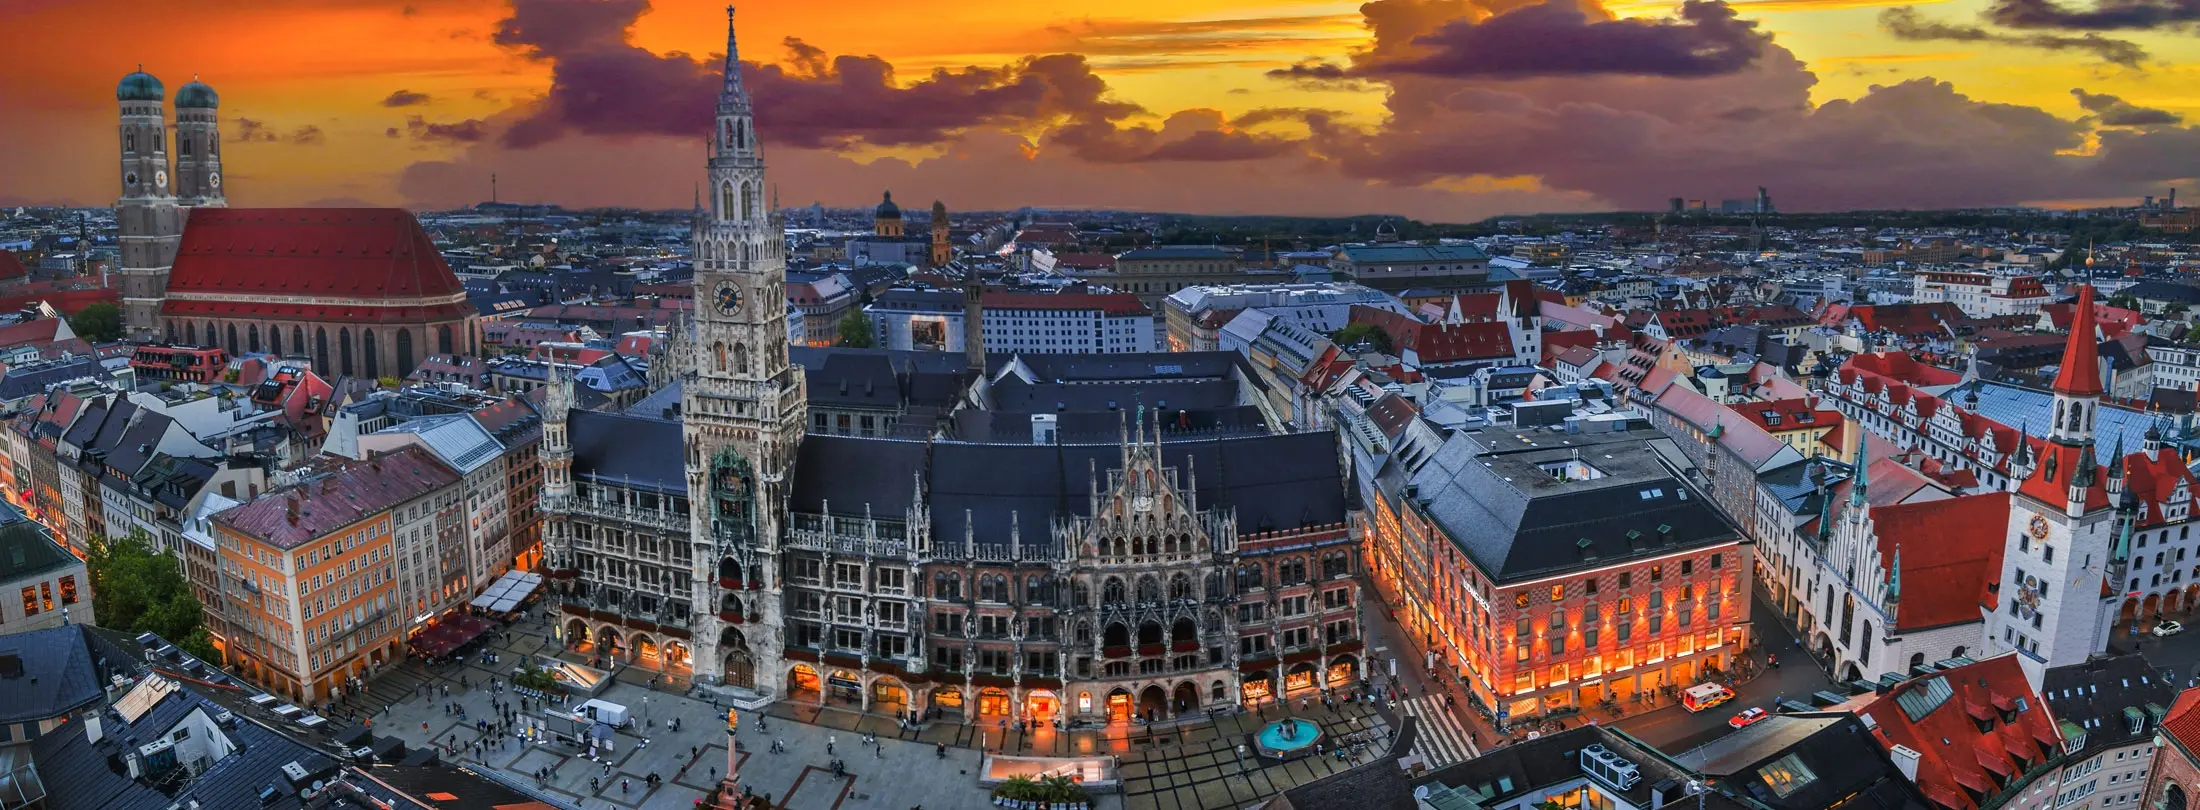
(1442, 739)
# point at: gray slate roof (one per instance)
(1515, 521)
(58, 675)
(631, 451)
(1274, 482)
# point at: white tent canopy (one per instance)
(506, 594)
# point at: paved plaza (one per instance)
(1188, 765)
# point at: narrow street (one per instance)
(1674, 730)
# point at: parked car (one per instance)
(2167, 628)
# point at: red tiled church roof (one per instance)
(11, 266)
(1942, 543)
(316, 264)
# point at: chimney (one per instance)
(94, 727)
(290, 508)
(1905, 760)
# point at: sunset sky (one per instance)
(1437, 109)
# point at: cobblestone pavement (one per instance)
(1186, 765)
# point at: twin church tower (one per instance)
(156, 195)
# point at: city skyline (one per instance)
(1418, 107)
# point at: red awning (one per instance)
(446, 636)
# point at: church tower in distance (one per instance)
(199, 147)
(148, 221)
(743, 405)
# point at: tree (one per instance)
(2123, 301)
(1353, 335)
(855, 330)
(138, 589)
(98, 322)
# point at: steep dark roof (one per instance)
(855, 381)
(1013, 394)
(632, 451)
(58, 674)
(19, 383)
(1491, 496)
(1273, 482)
(27, 549)
(1847, 767)
(1528, 768)
(1122, 367)
(2097, 696)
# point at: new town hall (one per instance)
(1158, 572)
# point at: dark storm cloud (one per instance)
(1905, 23)
(603, 85)
(471, 130)
(2103, 15)
(405, 98)
(1564, 38)
(2112, 111)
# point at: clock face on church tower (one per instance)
(728, 298)
(160, 178)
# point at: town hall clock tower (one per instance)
(742, 405)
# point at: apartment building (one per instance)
(2110, 710)
(323, 578)
(41, 584)
(1032, 323)
(1981, 295)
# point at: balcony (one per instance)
(659, 519)
(839, 544)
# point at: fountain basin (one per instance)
(1287, 739)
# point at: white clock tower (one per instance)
(742, 404)
(2063, 570)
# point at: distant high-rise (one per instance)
(1764, 201)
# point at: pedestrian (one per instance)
(829, 744)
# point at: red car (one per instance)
(1748, 718)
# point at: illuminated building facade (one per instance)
(1546, 569)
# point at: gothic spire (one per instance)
(732, 97)
(2080, 374)
(1863, 463)
(1894, 577)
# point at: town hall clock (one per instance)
(728, 298)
